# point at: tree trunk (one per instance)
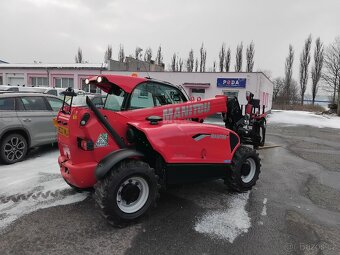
(302, 98)
(338, 111)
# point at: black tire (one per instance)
(245, 169)
(128, 178)
(263, 132)
(13, 148)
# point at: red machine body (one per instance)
(147, 136)
(169, 138)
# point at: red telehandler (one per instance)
(144, 138)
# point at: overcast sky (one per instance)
(52, 30)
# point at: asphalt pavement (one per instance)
(293, 209)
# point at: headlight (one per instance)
(99, 79)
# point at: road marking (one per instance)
(264, 209)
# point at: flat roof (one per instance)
(54, 66)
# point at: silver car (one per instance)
(26, 121)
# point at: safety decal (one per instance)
(102, 140)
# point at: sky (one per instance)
(51, 31)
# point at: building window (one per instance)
(39, 82)
(197, 94)
(1, 81)
(230, 93)
(63, 82)
(90, 88)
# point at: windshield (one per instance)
(77, 101)
(114, 102)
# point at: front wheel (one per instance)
(245, 169)
(127, 192)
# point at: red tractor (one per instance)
(251, 127)
(143, 139)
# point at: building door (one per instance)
(230, 93)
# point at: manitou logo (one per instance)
(185, 112)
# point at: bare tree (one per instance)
(250, 57)
(79, 57)
(180, 65)
(279, 84)
(148, 55)
(238, 64)
(331, 73)
(121, 54)
(190, 61)
(203, 53)
(304, 63)
(138, 53)
(159, 56)
(221, 57)
(227, 60)
(196, 65)
(288, 75)
(317, 67)
(173, 62)
(214, 67)
(108, 54)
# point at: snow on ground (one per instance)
(293, 118)
(33, 184)
(226, 223)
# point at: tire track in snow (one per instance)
(31, 185)
(44, 195)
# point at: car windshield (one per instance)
(77, 101)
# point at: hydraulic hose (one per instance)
(105, 123)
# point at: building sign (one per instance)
(231, 82)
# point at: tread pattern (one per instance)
(234, 180)
(104, 190)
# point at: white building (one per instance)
(197, 85)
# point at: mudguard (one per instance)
(110, 160)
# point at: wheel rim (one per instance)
(248, 170)
(14, 149)
(132, 194)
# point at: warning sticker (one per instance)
(102, 140)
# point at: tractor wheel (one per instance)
(263, 132)
(127, 192)
(245, 169)
(13, 148)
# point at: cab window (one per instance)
(152, 94)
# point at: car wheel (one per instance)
(13, 148)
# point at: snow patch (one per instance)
(226, 224)
(294, 118)
(31, 185)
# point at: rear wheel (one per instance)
(127, 192)
(245, 170)
(13, 148)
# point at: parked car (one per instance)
(5, 88)
(26, 122)
(48, 90)
(80, 100)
